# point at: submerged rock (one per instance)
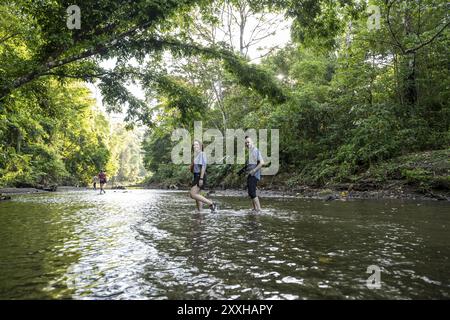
(330, 197)
(3, 198)
(50, 188)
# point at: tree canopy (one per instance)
(344, 95)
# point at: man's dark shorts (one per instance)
(196, 180)
(251, 186)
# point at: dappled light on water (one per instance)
(149, 244)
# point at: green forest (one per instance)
(359, 93)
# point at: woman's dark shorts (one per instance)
(102, 181)
(196, 180)
(251, 186)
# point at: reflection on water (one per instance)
(147, 244)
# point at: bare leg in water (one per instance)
(194, 194)
(199, 205)
(256, 204)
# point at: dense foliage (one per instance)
(355, 96)
(346, 94)
(51, 134)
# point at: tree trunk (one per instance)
(410, 89)
(410, 86)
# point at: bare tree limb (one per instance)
(6, 38)
(429, 41)
(388, 20)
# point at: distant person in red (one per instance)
(102, 179)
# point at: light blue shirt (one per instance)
(199, 161)
(254, 157)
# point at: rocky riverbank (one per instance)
(394, 190)
(16, 191)
(13, 191)
(340, 192)
(416, 176)
(334, 194)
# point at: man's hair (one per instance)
(246, 137)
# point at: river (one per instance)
(150, 244)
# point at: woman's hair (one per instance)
(201, 144)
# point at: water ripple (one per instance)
(148, 244)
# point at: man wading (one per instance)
(254, 172)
